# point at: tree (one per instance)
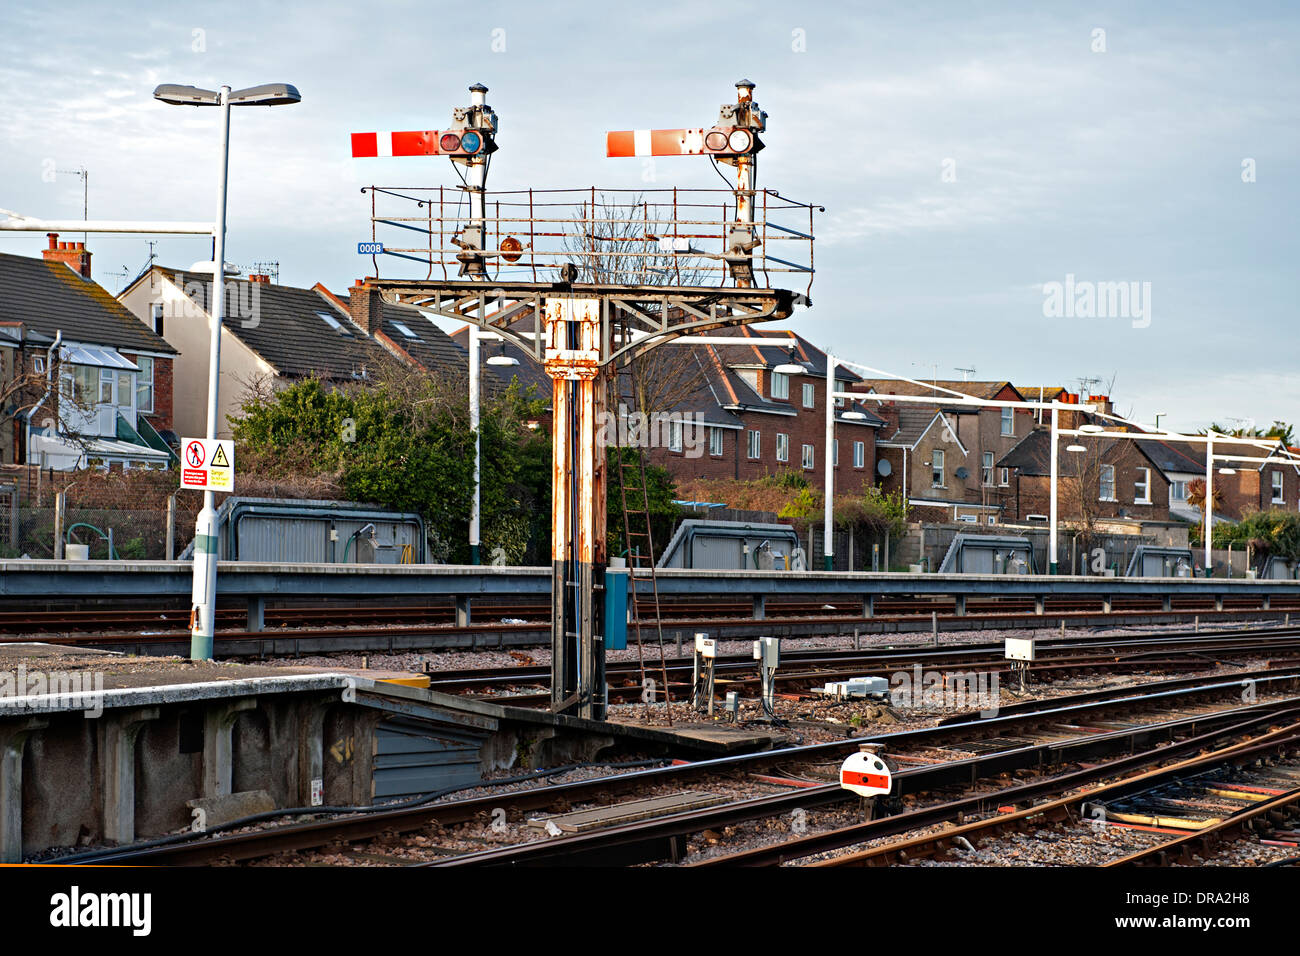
(616, 244)
(405, 442)
(1080, 484)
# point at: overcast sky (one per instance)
(966, 157)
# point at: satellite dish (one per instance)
(883, 468)
(962, 472)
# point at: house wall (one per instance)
(1031, 494)
(188, 330)
(809, 428)
(1252, 490)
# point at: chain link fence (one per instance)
(110, 515)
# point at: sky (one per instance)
(968, 156)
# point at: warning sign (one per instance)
(208, 464)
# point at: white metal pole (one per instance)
(1055, 477)
(474, 394)
(828, 532)
(1208, 534)
(204, 595)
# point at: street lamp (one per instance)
(204, 592)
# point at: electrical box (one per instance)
(767, 651)
(705, 646)
(1020, 649)
(857, 687)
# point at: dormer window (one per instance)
(334, 324)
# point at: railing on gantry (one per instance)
(673, 237)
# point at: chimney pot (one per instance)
(54, 239)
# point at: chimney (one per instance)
(71, 254)
(366, 306)
(1102, 403)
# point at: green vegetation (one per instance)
(406, 444)
(1274, 532)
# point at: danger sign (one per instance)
(208, 464)
(865, 774)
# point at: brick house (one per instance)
(1254, 486)
(760, 421)
(944, 457)
(85, 383)
(1111, 478)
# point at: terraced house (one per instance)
(271, 334)
(83, 382)
(945, 458)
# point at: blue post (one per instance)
(616, 584)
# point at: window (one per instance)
(715, 441)
(1278, 495)
(780, 385)
(987, 470)
(156, 317)
(405, 330)
(144, 384)
(753, 438)
(1142, 487)
(809, 453)
(674, 436)
(936, 468)
(782, 447)
(859, 454)
(38, 364)
(1107, 490)
(106, 376)
(333, 323)
(1008, 421)
(835, 452)
(125, 391)
(809, 395)
(841, 385)
(1004, 476)
(1178, 490)
(80, 383)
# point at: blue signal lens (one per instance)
(471, 142)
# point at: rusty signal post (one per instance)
(582, 332)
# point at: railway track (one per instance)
(369, 631)
(1252, 786)
(1178, 716)
(802, 668)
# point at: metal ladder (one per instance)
(641, 563)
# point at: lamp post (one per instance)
(204, 591)
(475, 399)
(1207, 533)
(828, 534)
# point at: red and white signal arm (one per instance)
(866, 775)
(720, 140)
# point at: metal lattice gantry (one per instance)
(585, 281)
(641, 237)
